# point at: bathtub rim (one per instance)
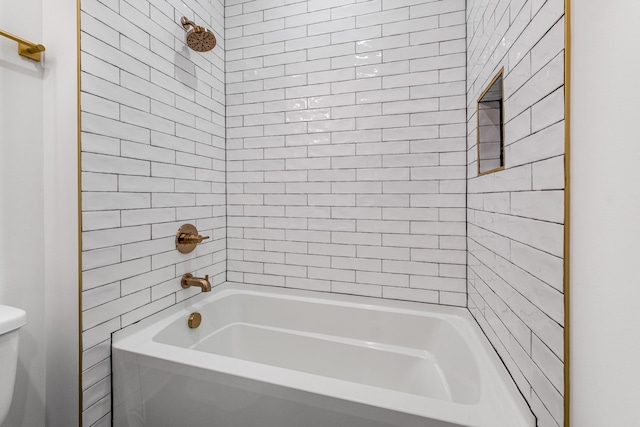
(495, 380)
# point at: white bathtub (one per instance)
(271, 357)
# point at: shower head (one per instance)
(198, 38)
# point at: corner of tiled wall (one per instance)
(153, 158)
(516, 216)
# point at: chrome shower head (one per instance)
(198, 38)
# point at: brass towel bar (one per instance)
(25, 48)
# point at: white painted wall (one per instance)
(60, 169)
(21, 216)
(605, 320)
(38, 205)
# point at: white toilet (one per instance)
(11, 320)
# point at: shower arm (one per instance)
(187, 23)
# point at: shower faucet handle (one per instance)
(192, 239)
(188, 238)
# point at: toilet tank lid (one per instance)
(11, 318)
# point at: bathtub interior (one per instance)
(410, 352)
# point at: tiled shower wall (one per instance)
(153, 158)
(516, 216)
(347, 164)
(346, 147)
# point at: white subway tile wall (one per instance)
(328, 149)
(516, 216)
(153, 158)
(346, 142)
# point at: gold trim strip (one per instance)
(501, 168)
(567, 214)
(25, 48)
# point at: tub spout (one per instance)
(188, 280)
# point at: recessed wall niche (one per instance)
(491, 127)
